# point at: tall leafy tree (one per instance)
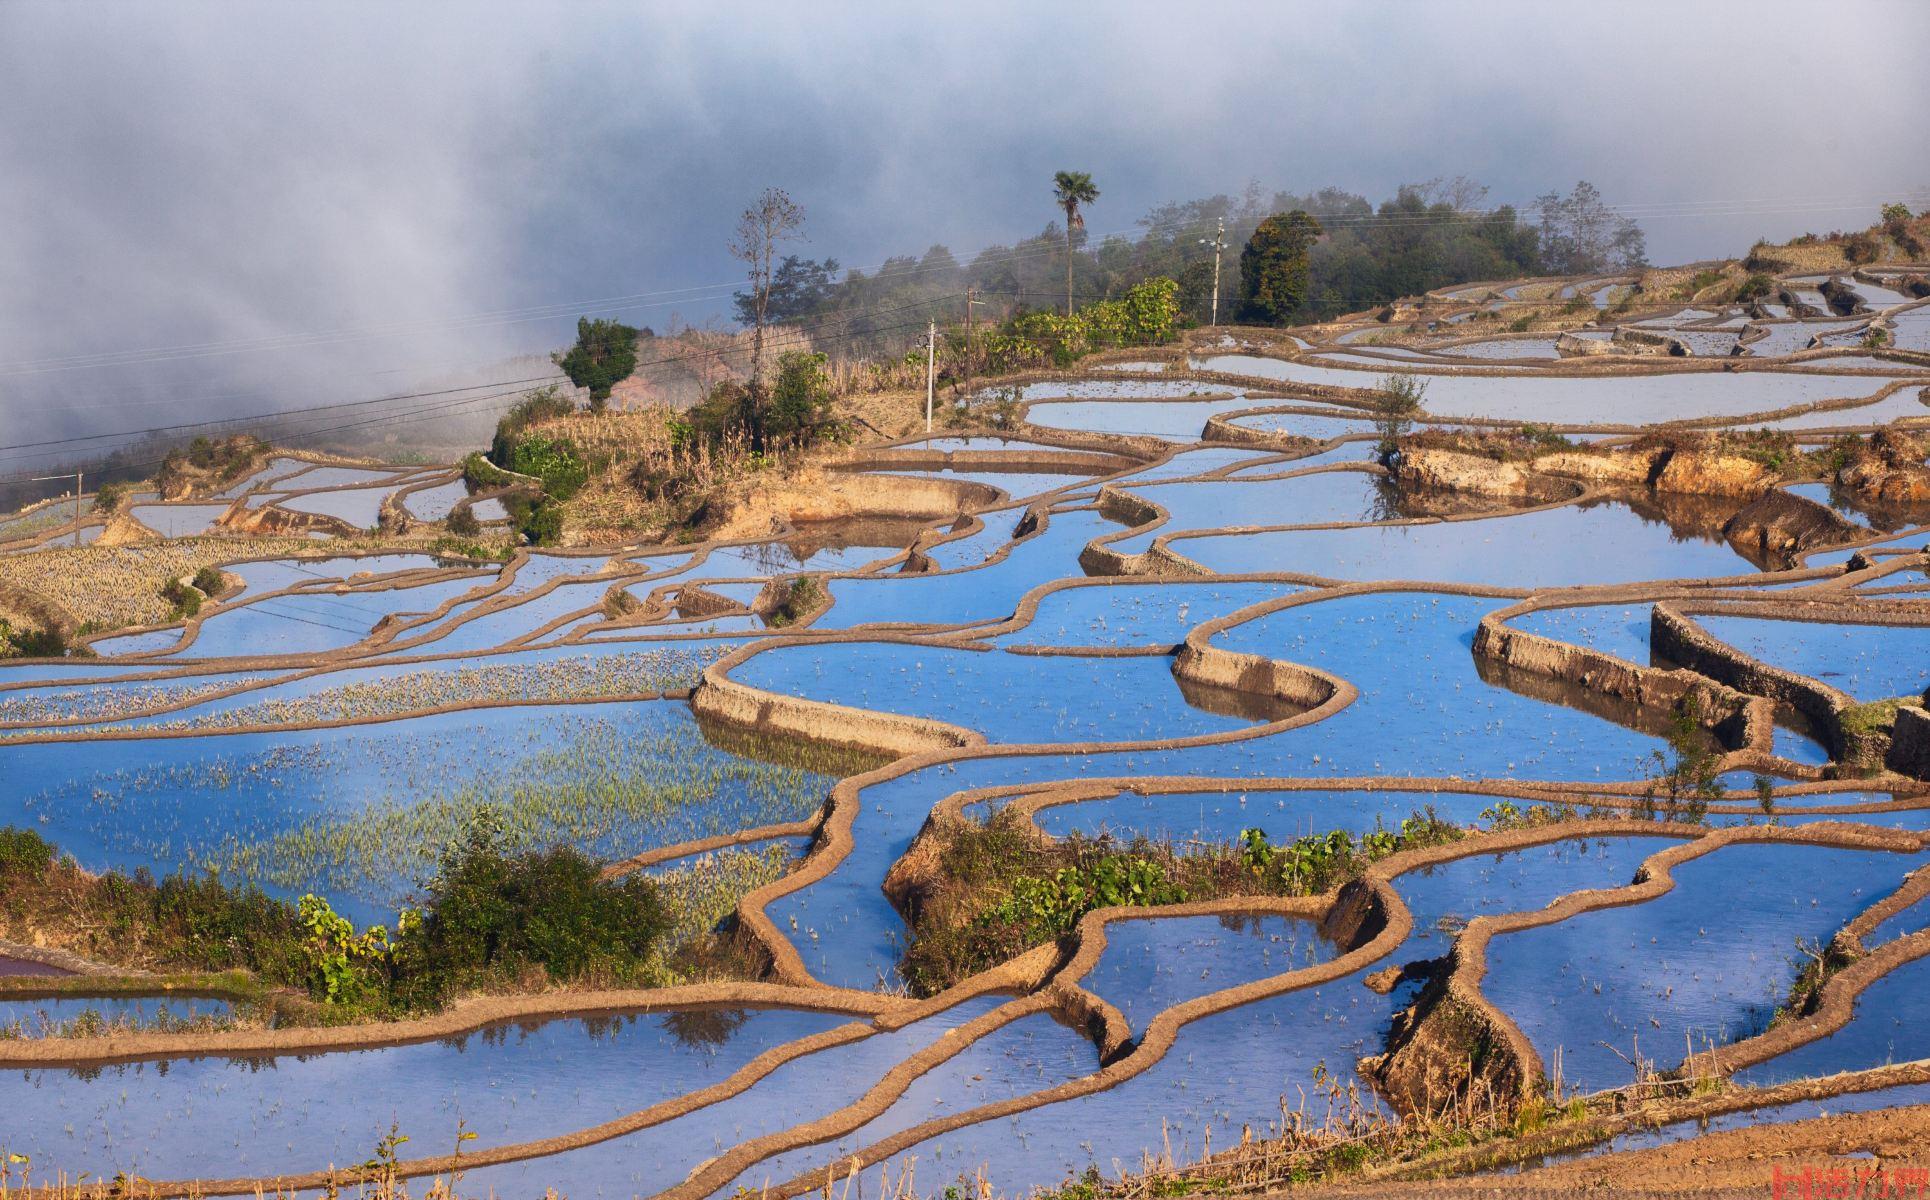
(799, 287)
(604, 355)
(1072, 189)
(1274, 273)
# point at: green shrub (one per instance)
(1700, 281)
(109, 497)
(24, 852)
(490, 914)
(800, 405)
(536, 406)
(1049, 907)
(208, 580)
(30, 643)
(463, 523)
(1316, 863)
(489, 918)
(481, 474)
(183, 601)
(540, 521)
(552, 460)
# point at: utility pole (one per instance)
(1218, 242)
(970, 328)
(931, 369)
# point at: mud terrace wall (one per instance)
(1453, 1043)
(1675, 635)
(720, 698)
(1742, 721)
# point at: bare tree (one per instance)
(1460, 193)
(774, 219)
(1581, 233)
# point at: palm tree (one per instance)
(1071, 189)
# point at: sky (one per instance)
(247, 207)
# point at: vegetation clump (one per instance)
(799, 598)
(998, 889)
(489, 919)
(1686, 777)
(1397, 401)
(208, 464)
(30, 641)
(109, 497)
(604, 355)
(183, 600)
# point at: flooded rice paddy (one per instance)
(327, 725)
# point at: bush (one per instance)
(1049, 907)
(1700, 281)
(1315, 863)
(30, 643)
(216, 461)
(492, 915)
(800, 406)
(463, 523)
(801, 597)
(552, 460)
(536, 406)
(1396, 402)
(1758, 285)
(208, 580)
(183, 601)
(24, 852)
(540, 521)
(481, 474)
(109, 497)
(1860, 248)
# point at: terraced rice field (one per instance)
(1228, 643)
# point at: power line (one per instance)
(845, 318)
(499, 317)
(511, 386)
(1767, 206)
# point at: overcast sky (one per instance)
(180, 175)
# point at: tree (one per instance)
(1274, 274)
(774, 218)
(604, 355)
(798, 287)
(1581, 234)
(1396, 403)
(1072, 189)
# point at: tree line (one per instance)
(1357, 255)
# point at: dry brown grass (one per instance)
(109, 587)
